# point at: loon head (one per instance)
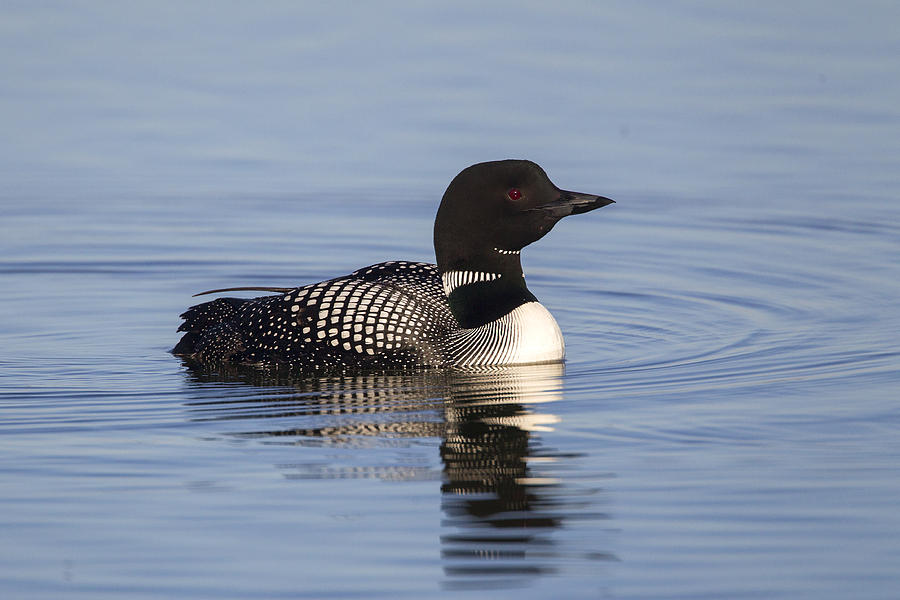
(489, 212)
(492, 210)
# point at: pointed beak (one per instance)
(574, 203)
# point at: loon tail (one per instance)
(204, 323)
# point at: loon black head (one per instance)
(489, 212)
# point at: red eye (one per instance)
(514, 193)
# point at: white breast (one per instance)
(527, 334)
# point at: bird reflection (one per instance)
(501, 494)
(499, 513)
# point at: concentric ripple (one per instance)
(774, 307)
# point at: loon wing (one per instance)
(397, 272)
(277, 290)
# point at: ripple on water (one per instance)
(783, 302)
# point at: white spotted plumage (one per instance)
(388, 315)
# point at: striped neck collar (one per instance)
(454, 279)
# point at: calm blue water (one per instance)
(727, 424)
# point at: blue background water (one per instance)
(726, 424)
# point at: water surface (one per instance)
(725, 426)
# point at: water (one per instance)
(726, 424)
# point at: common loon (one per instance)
(470, 309)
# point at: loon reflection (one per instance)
(501, 493)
